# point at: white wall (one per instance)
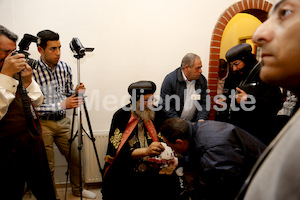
(133, 40)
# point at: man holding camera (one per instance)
(55, 79)
(22, 154)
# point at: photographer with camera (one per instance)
(22, 153)
(55, 79)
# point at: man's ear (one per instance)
(40, 49)
(182, 145)
(179, 141)
(186, 67)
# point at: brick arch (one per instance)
(215, 44)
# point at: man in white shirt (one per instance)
(22, 154)
(184, 91)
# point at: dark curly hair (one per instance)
(45, 36)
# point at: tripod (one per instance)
(79, 54)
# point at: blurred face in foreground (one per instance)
(279, 38)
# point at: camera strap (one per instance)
(31, 115)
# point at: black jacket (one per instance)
(221, 155)
(260, 122)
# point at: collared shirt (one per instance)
(8, 89)
(221, 83)
(55, 84)
(173, 91)
(289, 105)
(189, 108)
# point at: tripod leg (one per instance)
(79, 148)
(92, 137)
(69, 154)
(80, 145)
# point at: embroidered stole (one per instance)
(133, 121)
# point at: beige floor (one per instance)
(61, 193)
(60, 179)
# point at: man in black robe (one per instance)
(255, 104)
(133, 138)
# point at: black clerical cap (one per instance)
(141, 88)
(238, 52)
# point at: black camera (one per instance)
(78, 48)
(24, 46)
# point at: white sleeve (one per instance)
(35, 93)
(8, 88)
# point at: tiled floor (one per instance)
(61, 193)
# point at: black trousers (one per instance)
(25, 163)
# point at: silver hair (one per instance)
(10, 35)
(189, 59)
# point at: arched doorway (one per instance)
(258, 8)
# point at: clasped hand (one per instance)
(75, 100)
(154, 149)
(15, 64)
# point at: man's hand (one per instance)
(26, 75)
(14, 64)
(173, 162)
(72, 102)
(242, 95)
(154, 149)
(80, 89)
(220, 102)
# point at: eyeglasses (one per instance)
(5, 51)
(151, 100)
(235, 64)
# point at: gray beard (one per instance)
(146, 114)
